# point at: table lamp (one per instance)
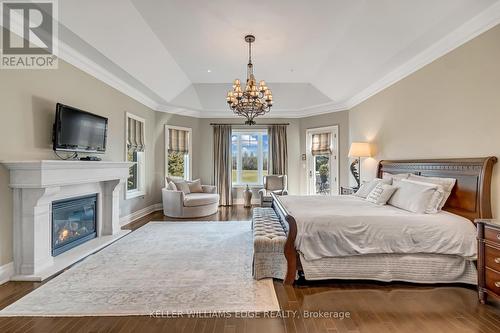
(358, 150)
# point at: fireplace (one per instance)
(74, 221)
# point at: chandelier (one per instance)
(255, 100)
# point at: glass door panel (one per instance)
(322, 174)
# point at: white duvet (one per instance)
(339, 226)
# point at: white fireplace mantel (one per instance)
(36, 184)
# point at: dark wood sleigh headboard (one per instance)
(471, 196)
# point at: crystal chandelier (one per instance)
(255, 100)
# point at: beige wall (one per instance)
(341, 119)
(296, 133)
(28, 99)
(450, 108)
(28, 108)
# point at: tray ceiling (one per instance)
(317, 56)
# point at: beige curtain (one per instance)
(278, 151)
(135, 135)
(178, 141)
(222, 163)
(321, 144)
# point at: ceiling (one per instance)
(317, 56)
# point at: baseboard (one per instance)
(6, 272)
(140, 213)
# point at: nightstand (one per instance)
(488, 261)
(347, 190)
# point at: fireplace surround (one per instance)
(36, 186)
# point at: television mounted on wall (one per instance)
(76, 130)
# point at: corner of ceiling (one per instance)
(469, 30)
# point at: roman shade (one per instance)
(135, 135)
(321, 144)
(178, 141)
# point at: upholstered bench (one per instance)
(269, 239)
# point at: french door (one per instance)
(322, 166)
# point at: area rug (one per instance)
(165, 268)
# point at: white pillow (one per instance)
(446, 183)
(412, 197)
(182, 185)
(367, 187)
(433, 207)
(392, 177)
(195, 186)
(381, 193)
(171, 186)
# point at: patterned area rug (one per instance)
(163, 267)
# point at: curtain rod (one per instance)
(264, 124)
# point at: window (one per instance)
(178, 151)
(250, 154)
(135, 152)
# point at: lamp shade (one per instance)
(360, 149)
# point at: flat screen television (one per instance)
(79, 131)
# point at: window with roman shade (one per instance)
(135, 134)
(321, 144)
(178, 147)
(135, 152)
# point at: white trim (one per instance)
(6, 272)
(260, 156)
(334, 129)
(140, 214)
(482, 22)
(141, 161)
(190, 148)
(479, 24)
(75, 58)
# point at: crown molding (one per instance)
(469, 30)
(276, 113)
(479, 24)
(75, 58)
(180, 110)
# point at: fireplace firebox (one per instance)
(74, 221)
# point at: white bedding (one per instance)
(338, 226)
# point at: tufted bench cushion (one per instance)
(269, 239)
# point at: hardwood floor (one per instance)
(372, 307)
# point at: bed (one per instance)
(332, 237)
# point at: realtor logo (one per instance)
(29, 36)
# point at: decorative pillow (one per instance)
(381, 193)
(173, 179)
(433, 207)
(412, 197)
(171, 186)
(182, 185)
(446, 183)
(367, 187)
(392, 177)
(195, 186)
(274, 183)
